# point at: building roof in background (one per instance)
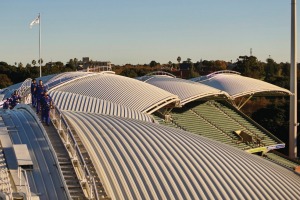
(186, 90)
(237, 86)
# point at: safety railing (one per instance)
(24, 87)
(69, 140)
(99, 69)
(26, 183)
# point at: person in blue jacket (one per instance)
(33, 92)
(6, 104)
(47, 104)
(15, 99)
(39, 94)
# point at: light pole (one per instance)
(293, 85)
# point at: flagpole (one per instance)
(40, 45)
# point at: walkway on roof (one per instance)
(23, 128)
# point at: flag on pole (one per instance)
(35, 21)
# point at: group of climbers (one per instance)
(11, 102)
(39, 97)
(41, 100)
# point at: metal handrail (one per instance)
(27, 187)
(75, 151)
(24, 86)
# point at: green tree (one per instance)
(249, 66)
(75, 62)
(153, 63)
(5, 81)
(129, 72)
(70, 66)
(20, 65)
(40, 61)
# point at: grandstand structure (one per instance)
(154, 137)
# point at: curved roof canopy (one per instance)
(186, 90)
(237, 86)
(81, 103)
(121, 90)
(140, 160)
(27, 130)
(65, 77)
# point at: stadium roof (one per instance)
(23, 128)
(186, 90)
(76, 102)
(65, 77)
(140, 160)
(237, 86)
(116, 89)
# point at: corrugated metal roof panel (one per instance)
(139, 160)
(186, 90)
(76, 102)
(236, 85)
(121, 90)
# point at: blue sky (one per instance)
(138, 31)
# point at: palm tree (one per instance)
(178, 59)
(40, 61)
(33, 63)
(75, 62)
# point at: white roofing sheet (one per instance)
(186, 90)
(140, 160)
(81, 103)
(64, 77)
(121, 90)
(236, 85)
(44, 179)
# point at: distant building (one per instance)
(87, 63)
